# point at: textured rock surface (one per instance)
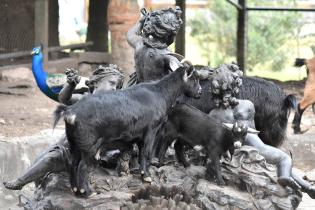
(251, 185)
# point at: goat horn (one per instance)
(186, 61)
(190, 64)
(228, 126)
(203, 74)
(252, 130)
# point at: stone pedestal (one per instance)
(251, 185)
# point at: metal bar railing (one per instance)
(50, 49)
(281, 9)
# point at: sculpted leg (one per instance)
(123, 162)
(274, 156)
(305, 185)
(180, 153)
(52, 161)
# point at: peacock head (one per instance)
(36, 50)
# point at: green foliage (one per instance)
(268, 32)
(215, 32)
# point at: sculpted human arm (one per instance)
(66, 95)
(133, 35)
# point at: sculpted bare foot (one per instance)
(14, 185)
(310, 191)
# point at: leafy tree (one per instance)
(268, 32)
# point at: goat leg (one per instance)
(73, 171)
(148, 145)
(297, 120)
(83, 177)
(216, 168)
(143, 164)
(162, 151)
(180, 153)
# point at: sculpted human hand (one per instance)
(73, 76)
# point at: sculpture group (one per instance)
(166, 100)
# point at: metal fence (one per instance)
(25, 24)
(17, 26)
(264, 37)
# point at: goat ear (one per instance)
(228, 126)
(252, 130)
(174, 64)
(186, 61)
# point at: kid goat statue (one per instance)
(130, 115)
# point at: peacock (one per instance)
(50, 84)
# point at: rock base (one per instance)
(251, 184)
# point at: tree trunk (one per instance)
(97, 31)
(180, 37)
(242, 36)
(53, 23)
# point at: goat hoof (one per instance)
(82, 191)
(237, 144)
(155, 162)
(142, 172)
(93, 194)
(300, 131)
(75, 189)
(186, 165)
(147, 179)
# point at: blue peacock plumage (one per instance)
(49, 84)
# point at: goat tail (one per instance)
(290, 102)
(299, 62)
(58, 113)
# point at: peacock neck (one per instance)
(38, 71)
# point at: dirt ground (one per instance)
(24, 114)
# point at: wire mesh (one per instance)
(17, 25)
